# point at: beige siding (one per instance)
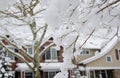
(102, 61)
(82, 57)
(117, 74)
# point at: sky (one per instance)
(6, 3)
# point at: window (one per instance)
(50, 74)
(51, 55)
(29, 75)
(109, 58)
(82, 73)
(118, 54)
(12, 57)
(7, 54)
(30, 50)
(85, 52)
(1, 51)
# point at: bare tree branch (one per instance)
(41, 39)
(110, 4)
(73, 43)
(17, 55)
(46, 48)
(87, 38)
(39, 11)
(21, 50)
(39, 29)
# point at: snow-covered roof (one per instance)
(44, 66)
(99, 38)
(2, 31)
(94, 43)
(104, 51)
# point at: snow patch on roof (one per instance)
(44, 66)
(94, 43)
(99, 38)
(104, 51)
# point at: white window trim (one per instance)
(85, 54)
(30, 46)
(51, 60)
(28, 72)
(12, 60)
(110, 57)
(51, 71)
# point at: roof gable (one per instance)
(104, 51)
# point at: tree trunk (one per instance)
(37, 73)
(37, 66)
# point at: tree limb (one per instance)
(110, 4)
(21, 50)
(46, 48)
(73, 43)
(17, 55)
(41, 39)
(87, 38)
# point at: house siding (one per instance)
(83, 57)
(116, 73)
(101, 62)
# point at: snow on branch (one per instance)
(110, 4)
(87, 39)
(16, 54)
(45, 49)
(73, 43)
(22, 51)
(38, 43)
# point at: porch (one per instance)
(103, 73)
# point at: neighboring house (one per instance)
(100, 62)
(50, 61)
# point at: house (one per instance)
(99, 58)
(100, 62)
(50, 61)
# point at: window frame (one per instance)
(49, 72)
(1, 51)
(28, 72)
(13, 56)
(51, 54)
(83, 52)
(27, 49)
(109, 56)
